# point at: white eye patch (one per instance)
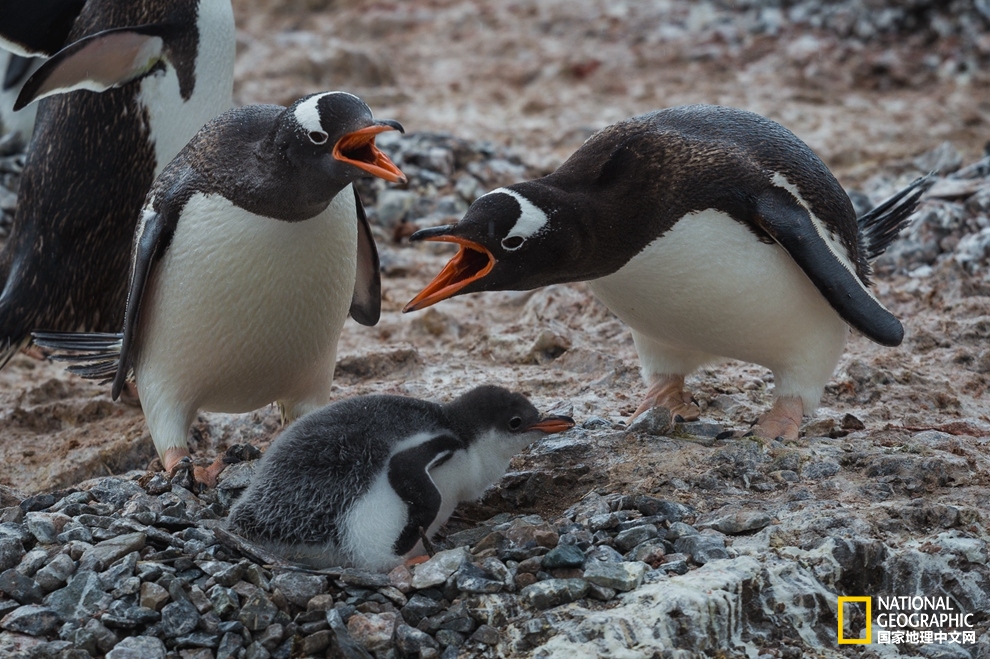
(530, 222)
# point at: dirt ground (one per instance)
(539, 77)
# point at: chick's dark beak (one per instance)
(358, 149)
(552, 423)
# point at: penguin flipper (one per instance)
(366, 305)
(154, 231)
(38, 28)
(785, 220)
(409, 476)
(98, 62)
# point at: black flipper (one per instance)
(790, 225)
(881, 225)
(366, 305)
(98, 62)
(409, 476)
(34, 28)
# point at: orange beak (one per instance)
(471, 263)
(358, 149)
(551, 424)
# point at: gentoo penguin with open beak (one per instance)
(361, 481)
(250, 251)
(712, 232)
(162, 69)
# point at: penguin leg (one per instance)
(783, 420)
(169, 424)
(664, 368)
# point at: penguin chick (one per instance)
(251, 248)
(161, 69)
(712, 232)
(360, 481)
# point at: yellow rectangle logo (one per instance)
(869, 620)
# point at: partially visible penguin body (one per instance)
(362, 481)
(712, 232)
(135, 83)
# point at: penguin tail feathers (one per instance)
(93, 355)
(881, 225)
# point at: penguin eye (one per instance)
(512, 243)
(515, 423)
(318, 137)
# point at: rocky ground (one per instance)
(603, 541)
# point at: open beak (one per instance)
(549, 424)
(471, 263)
(358, 149)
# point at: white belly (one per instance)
(175, 120)
(245, 310)
(709, 286)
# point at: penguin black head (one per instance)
(510, 239)
(334, 133)
(493, 413)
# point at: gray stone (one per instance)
(105, 553)
(363, 578)
(115, 491)
(179, 618)
(553, 592)
(618, 576)
(299, 587)
(819, 469)
(603, 553)
(563, 556)
(669, 510)
(225, 601)
(121, 615)
(316, 643)
(740, 521)
(656, 421)
(138, 647)
(43, 526)
(702, 547)
(23, 589)
(32, 620)
(229, 645)
(32, 561)
(76, 532)
(394, 205)
(679, 530)
(197, 640)
(411, 642)
(470, 578)
(56, 573)
(486, 635)
(257, 613)
(11, 552)
(153, 596)
(83, 597)
(439, 568)
(419, 607)
(629, 538)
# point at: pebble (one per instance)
(558, 557)
(31, 619)
(618, 576)
(740, 521)
(138, 647)
(553, 592)
(702, 547)
(299, 587)
(439, 568)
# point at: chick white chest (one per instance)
(244, 310)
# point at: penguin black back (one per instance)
(90, 164)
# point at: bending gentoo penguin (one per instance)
(712, 232)
(164, 68)
(250, 250)
(361, 481)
